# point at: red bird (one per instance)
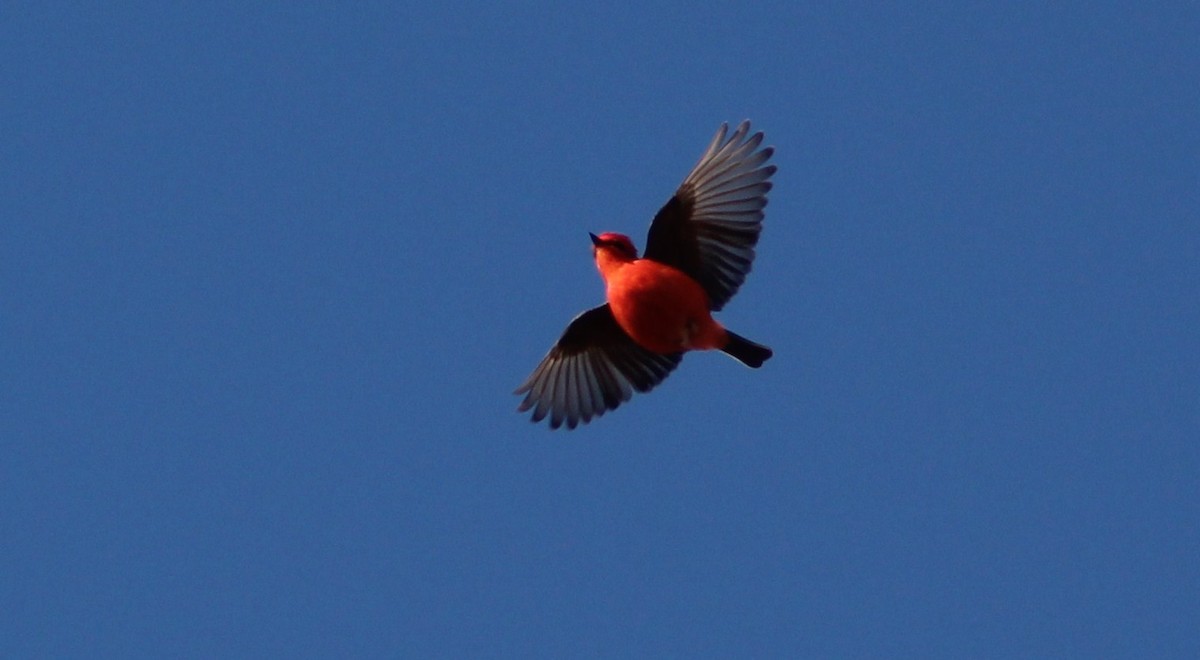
(698, 252)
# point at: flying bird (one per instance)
(698, 252)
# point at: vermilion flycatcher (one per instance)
(698, 252)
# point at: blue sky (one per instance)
(271, 273)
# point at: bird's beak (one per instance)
(595, 239)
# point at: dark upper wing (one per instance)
(710, 227)
(592, 369)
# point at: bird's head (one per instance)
(613, 245)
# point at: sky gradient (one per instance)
(272, 272)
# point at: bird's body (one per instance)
(700, 247)
(659, 307)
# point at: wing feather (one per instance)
(593, 368)
(710, 227)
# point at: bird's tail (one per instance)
(747, 352)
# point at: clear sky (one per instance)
(271, 273)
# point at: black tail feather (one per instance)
(745, 351)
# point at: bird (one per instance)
(699, 249)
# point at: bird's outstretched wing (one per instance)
(592, 369)
(710, 227)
